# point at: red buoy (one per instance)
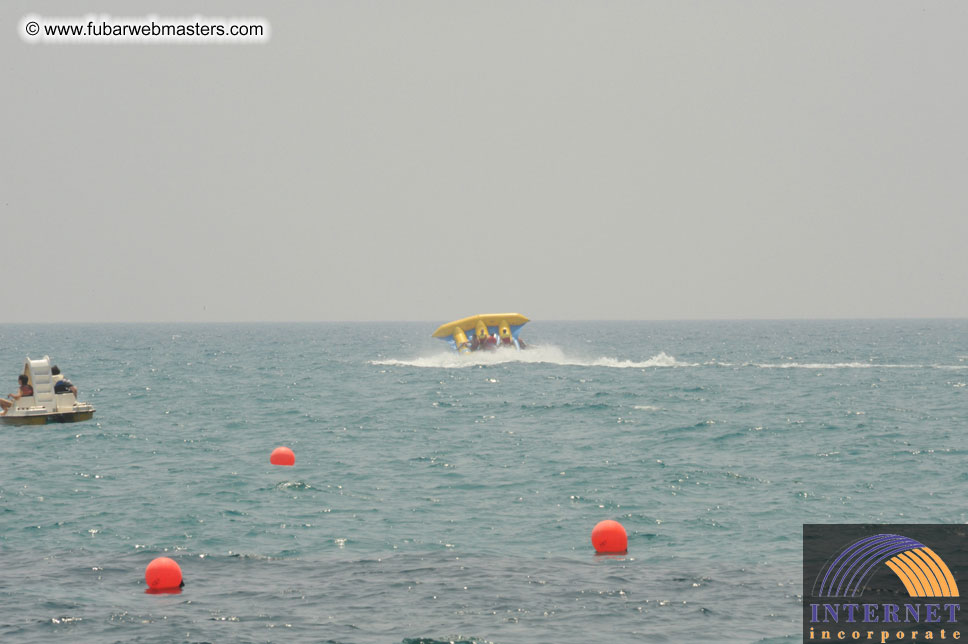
(609, 537)
(163, 574)
(282, 456)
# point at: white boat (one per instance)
(45, 406)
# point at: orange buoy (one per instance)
(609, 537)
(163, 574)
(282, 456)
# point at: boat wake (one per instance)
(544, 354)
(550, 354)
(834, 365)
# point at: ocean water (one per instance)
(438, 498)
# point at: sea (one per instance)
(442, 498)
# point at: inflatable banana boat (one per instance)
(483, 332)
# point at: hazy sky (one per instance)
(431, 160)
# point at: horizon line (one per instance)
(436, 321)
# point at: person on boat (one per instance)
(61, 384)
(25, 390)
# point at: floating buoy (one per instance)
(282, 456)
(163, 574)
(609, 537)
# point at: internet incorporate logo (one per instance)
(885, 584)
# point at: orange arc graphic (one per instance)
(902, 575)
(912, 578)
(926, 577)
(923, 573)
(933, 571)
(952, 586)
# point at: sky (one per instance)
(431, 160)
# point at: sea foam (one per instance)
(547, 354)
